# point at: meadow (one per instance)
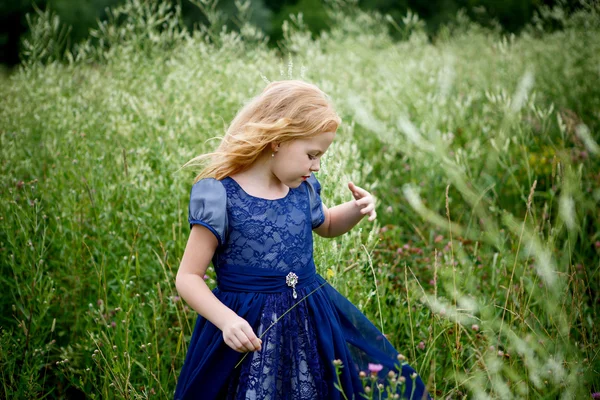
(482, 268)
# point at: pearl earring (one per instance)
(272, 154)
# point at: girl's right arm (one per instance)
(200, 248)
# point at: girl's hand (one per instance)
(364, 200)
(238, 334)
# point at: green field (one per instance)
(483, 267)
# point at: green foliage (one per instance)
(480, 147)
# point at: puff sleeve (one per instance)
(316, 205)
(208, 207)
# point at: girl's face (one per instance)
(295, 160)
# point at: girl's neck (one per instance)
(259, 180)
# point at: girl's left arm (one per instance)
(341, 218)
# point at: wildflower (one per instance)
(113, 324)
(475, 327)
(402, 380)
(399, 251)
(380, 386)
(337, 362)
(362, 374)
(367, 389)
(389, 209)
(597, 244)
(330, 273)
(401, 357)
(205, 277)
(438, 238)
(596, 395)
(421, 345)
(413, 376)
(391, 374)
(500, 353)
(375, 368)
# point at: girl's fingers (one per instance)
(372, 216)
(357, 192)
(246, 343)
(255, 342)
(234, 343)
(368, 209)
(365, 201)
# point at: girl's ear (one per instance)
(274, 146)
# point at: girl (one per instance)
(252, 213)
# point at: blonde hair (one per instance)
(284, 111)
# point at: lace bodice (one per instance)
(256, 232)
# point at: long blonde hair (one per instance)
(284, 111)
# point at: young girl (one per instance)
(252, 213)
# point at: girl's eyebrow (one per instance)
(315, 152)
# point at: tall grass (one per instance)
(480, 147)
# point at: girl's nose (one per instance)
(316, 165)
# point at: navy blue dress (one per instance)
(264, 267)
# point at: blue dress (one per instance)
(264, 267)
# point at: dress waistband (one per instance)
(235, 278)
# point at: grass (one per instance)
(483, 267)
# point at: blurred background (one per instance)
(81, 15)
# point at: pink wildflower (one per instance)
(375, 368)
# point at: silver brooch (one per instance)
(292, 280)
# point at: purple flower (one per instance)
(421, 345)
(596, 395)
(375, 368)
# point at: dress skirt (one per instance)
(303, 331)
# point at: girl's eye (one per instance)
(311, 157)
